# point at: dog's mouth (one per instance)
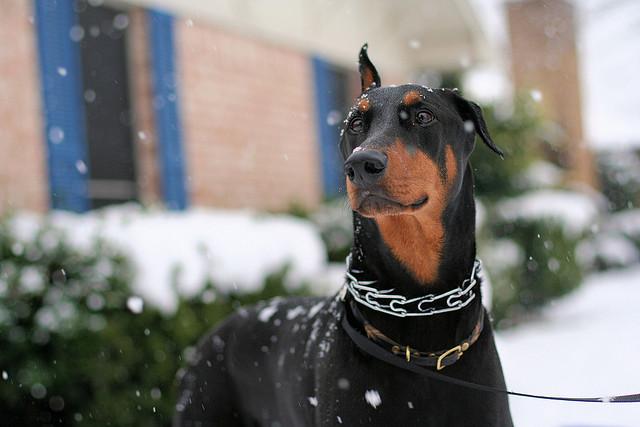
(373, 204)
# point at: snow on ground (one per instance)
(584, 345)
(236, 249)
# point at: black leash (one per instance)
(372, 349)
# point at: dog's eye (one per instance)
(424, 117)
(356, 125)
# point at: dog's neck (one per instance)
(375, 261)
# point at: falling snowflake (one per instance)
(536, 95)
(334, 117)
(469, 127)
(38, 391)
(373, 398)
(56, 135)
(135, 304)
(76, 33)
(81, 167)
(121, 21)
(89, 95)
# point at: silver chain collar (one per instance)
(386, 302)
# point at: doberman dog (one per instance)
(411, 291)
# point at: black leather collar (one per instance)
(355, 322)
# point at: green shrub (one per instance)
(334, 222)
(518, 135)
(70, 348)
(530, 261)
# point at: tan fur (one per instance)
(452, 167)
(363, 105)
(415, 236)
(367, 79)
(411, 97)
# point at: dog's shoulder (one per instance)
(279, 318)
(281, 311)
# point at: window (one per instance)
(110, 151)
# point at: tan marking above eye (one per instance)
(363, 105)
(411, 97)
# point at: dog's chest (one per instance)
(355, 390)
(312, 374)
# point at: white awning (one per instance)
(407, 35)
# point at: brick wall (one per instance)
(23, 180)
(247, 112)
(248, 120)
(544, 57)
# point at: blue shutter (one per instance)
(165, 104)
(328, 100)
(61, 81)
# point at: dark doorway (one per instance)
(103, 47)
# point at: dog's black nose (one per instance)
(365, 167)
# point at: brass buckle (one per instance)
(456, 349)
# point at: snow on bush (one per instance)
(605, 251)
(502, 254)
(178, 252)
(334, 220)
(541, 174)
(576, 212)
(627, 222)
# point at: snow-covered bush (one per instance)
(83, 341)
(620, 178)
(626, 223)
(530, 252)
(540, 174)
(605, 251)
(334, 221)
(178, 253)
(614, 244)
(574, 212)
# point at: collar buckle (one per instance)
(457, 350)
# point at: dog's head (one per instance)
(406, 147)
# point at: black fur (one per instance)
(287, 362)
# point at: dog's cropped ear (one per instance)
(471, 113)
(369, 77)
